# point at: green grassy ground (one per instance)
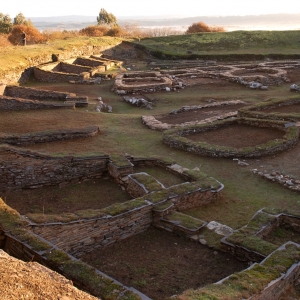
(224, 43)
(122, 132)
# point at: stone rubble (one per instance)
(138, 101)
(294, 88)
(102, 107)
(287, 181)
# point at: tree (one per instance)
(202, 27)
(106, 18)
(21, 20)
(33, 36)
(5, 23)
(97, 30)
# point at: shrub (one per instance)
(203, 27)
(33, 36)
(58, 35)
(96, 30)
(4, 42)
(115, 31)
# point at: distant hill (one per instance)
(272, 21)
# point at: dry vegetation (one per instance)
(202, 27)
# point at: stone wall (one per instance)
(85, 236)
(175, 138)
(26, 169)
(71, 68)
(47, 76)
(79, 237)
(35, 94)
(90, 62)
(241, 252)
(278, 287)
(260, 110)
(23, 251)
(39, 94)
(13, 103)
(275, 289)
(22, 74)
(49, 136)
(141, 81)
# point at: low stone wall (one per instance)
(25, 252)
(49, 136)
(38, 94)
(270, 287)
(278, 287)
(140, 184)
(260, 110)
(90, 62)
(241, 252)
(85, 236)
(79, 237)
(47, 76)
(35, 94)
(175, 139)
(287, 221)
(153, 123)
(22, 74)
(71, 68)
(156, 81)
(120, 173)
(12, 103)
(27, 169)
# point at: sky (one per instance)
(148, 8)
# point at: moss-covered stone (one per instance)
(119, 208)
(185, 220)
(148, 181)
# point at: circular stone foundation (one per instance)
(239, 137)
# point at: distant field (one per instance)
(225, 43)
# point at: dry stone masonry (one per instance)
(37, 96)
(153, 123)
(78, 70)
(48, 136)
(175, 138)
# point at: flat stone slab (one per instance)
(178, 168)
(219, 228)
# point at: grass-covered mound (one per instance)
(246, 44)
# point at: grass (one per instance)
(17, 58)
(149, 182)
(122, 133)
(119, 208)
(162, 175)
(185, 220)
(224, 43)
(244, 284)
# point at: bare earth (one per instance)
(161, 264)
(237, 136)
(197, 115)
(33, 281)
